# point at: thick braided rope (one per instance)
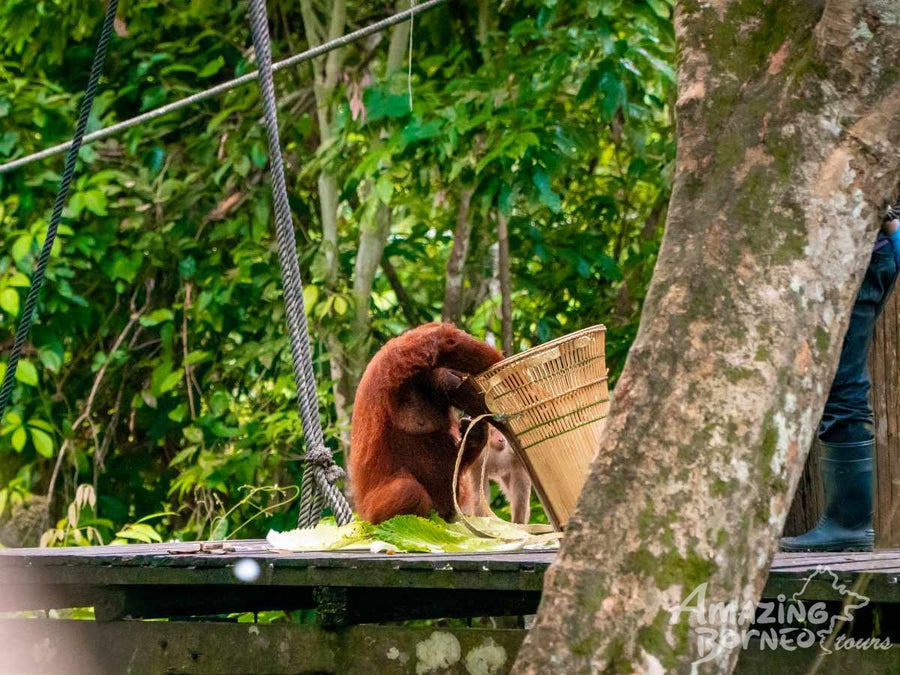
(319, 461)
(62, 194)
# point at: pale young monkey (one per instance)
(508, 471)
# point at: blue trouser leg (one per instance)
(848, 416)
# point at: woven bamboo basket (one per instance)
(554, 398)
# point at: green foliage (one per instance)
(159, 363)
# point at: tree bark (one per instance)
(506, 329)
(326, 71)
(372, 240)
(452, 311)
(374, 231)
(788, 124)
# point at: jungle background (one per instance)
(155, 399)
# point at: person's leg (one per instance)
(846, 429)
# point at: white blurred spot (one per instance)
(246, 570)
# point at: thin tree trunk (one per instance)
(326, 71)
(452, 311)
(373, 236)
(407, 304)
(372, 240)
(328, 206)
(505, 284)
(788, 126)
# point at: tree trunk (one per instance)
(505, 285)
(372, 240)
(374, 232)
(407, 304)
(452, 310)
(788, 125)
(326, 71)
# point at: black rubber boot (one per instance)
(849, 487)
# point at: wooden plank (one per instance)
(885, 369)
(74, 647)
(141, 581)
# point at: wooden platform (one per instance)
(142, 575)
(348, 590)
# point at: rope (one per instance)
(319, 462)
(62, 194)
(324, 48)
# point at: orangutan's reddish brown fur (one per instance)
(405, 435)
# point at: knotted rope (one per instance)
(321, 472)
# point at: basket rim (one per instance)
(528, 353)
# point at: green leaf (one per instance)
(614, 95)
(417, 131)
(171, 381)
(140, 532)
(9, 301)
(27, 373)
(21, 247)
(95, 202)
(258, 155)
(219, 402)
(11, 420)
(18, 280)
(187, 267)
(183, 455)
(310, 297)
(380, 104)
(220, 429)
(340, 305)
(608, 266)
(43, 442)
(212, 67)
(547, 196)
(196, 356)
(193, 434)
(41, 424)
(660, 8)
(242, 166)
(19, 438)
(158, 376)
(51, 360)
(156, 317)
(8, 141)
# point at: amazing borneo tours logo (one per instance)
(781, 623)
